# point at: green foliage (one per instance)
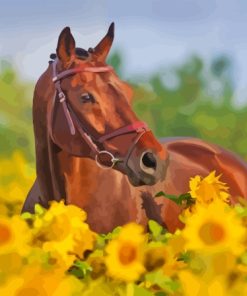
(154, 228)
(115, 60)
(135, 290)
(165, 283)
(15, 113)
(194, 100)
(80, 269)
(183, 199)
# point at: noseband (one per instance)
(139, 127)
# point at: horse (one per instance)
(92, 151)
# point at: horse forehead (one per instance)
(82, 78)
(90, 79)
(104, 83)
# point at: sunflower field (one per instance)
(54, 252)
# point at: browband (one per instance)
(73, 71)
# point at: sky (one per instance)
(152, 34)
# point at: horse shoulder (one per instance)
(190, 156)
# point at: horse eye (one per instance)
(87, 98)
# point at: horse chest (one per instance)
(106, 196)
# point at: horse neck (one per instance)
(48, 159)
(80, 177)
(46, 151)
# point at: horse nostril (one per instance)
(149, 160)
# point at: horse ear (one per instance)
(65, 45)
(102, 49)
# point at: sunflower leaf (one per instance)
(155, 228)
(26, 216)
(174, 198)
(179, 200)
(39, 210)
(138, 291)
(80, 269)
(164, 282)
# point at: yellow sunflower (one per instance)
(3, 209)
(125, 254)
(162, 256)
(176, 242)
(220, 284)
(39, 282)
(14, 235)
(205, 190)
(97, 263)
(214, 228)
(62, 232)
(16, 176)
(194, 285)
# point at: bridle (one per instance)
(103, 158)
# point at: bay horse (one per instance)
(84, 123)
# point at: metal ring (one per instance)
(113, 160)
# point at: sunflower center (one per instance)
(127, 254)
(211, 233)
(5, 234)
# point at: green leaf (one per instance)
(80, 269)
(163, 281)
(39, 210)
(161, 193)
(100, 241)
(168, 196)
(114, 234)
(185, 256)
(155, 228)
(26, 216)
(134, 290)
(177, 199)
(160, 293)
(244, 258)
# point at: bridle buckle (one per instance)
(111, 159)
(62, 97)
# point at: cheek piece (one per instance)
(103, 158)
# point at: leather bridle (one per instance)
(139, 127)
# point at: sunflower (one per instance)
(162, 256)
(125, 254)
(205, 190)
(15, 171)
(97, 263)
(212, 283)
(193, 285)
(14, 236)
(214, 228)
(36, 281)
(62, 232)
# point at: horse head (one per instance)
(91, 114)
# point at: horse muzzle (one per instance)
(148, 169)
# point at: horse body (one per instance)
(110, 200)
(65, 164)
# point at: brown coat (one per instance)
(66, 169)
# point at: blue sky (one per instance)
(151, 33)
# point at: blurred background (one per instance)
(185, 59)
